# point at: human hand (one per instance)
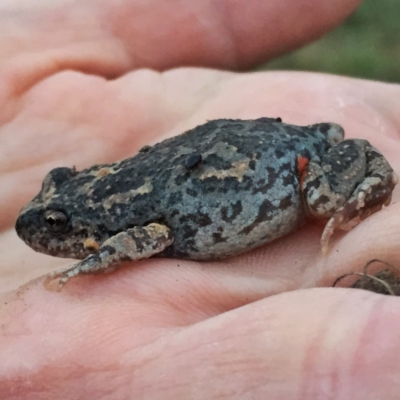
(172, 328)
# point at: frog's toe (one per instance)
(350, 215)
(334, 222)
(60, 277)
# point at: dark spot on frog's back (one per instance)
(191, 192)
(174, 213)
(279, 153)
(290, 180)
(188, 231)
(199, 219)
(264, 214)
(193, 160)
(264, 211)
(252, 165)
(272, 173)
(217, 237)
(262, 186)
(228, 214)
(285, 203)
(284, 168)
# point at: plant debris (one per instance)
(384, 281)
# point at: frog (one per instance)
(218, 190)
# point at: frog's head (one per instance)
(51, 222)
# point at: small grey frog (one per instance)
(217, 190)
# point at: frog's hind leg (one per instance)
(351, 182)
(374, 192)
(130, 245)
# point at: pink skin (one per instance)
(169, 328)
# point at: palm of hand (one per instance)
(171, 328)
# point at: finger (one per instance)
(320, 343)
(109, 38)
(310, 344)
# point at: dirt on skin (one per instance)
(383, 281)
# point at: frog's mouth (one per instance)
(57, 247)
(29, 227)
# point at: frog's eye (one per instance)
(56, 221)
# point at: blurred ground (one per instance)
(367, 45)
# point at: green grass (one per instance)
(367, 45)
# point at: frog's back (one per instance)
(243, 191)
(222, 187)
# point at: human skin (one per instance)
(263, 325)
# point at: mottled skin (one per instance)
(220, 189)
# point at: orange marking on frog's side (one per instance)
(302, 163)
(91, 244)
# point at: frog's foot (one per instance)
(351, 182)
(86, 266)
(133, 244)
(368, 198)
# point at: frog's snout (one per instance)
(20, 224)
(25, 225)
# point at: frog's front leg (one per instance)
(132, 244)
(351, 182)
